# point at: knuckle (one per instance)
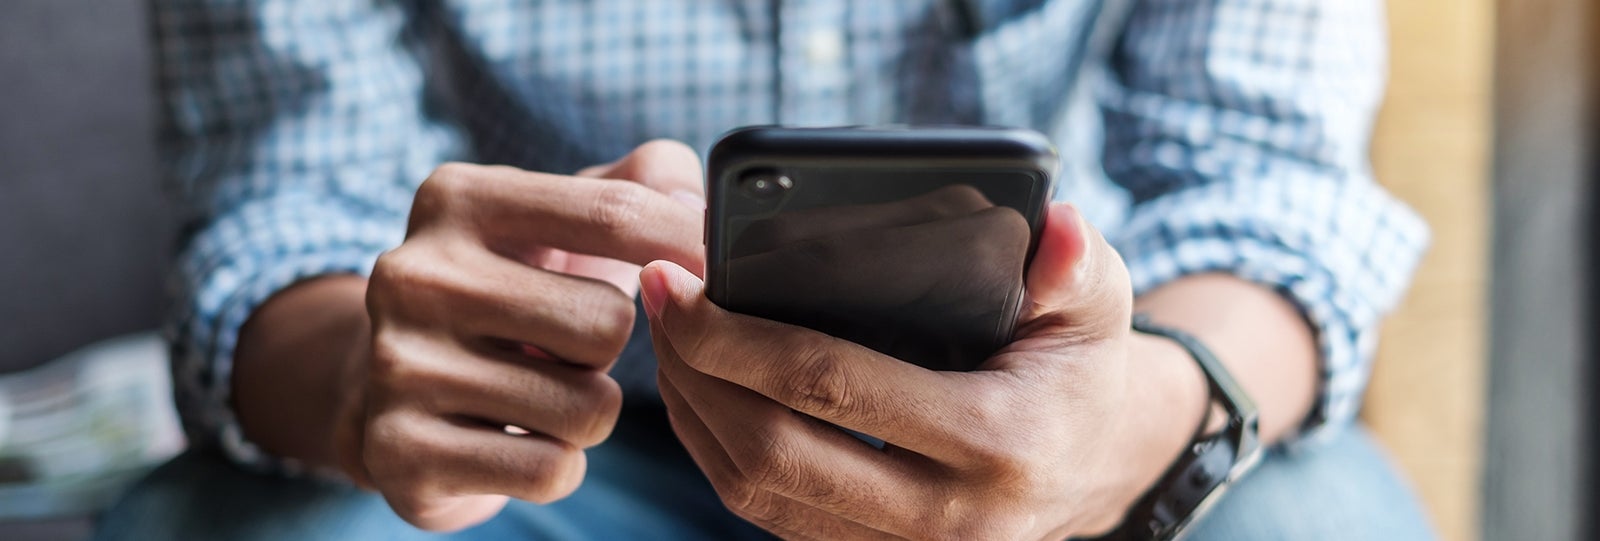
(619, 207)
(664, 148)
(999, 461)
(609, 318)
(447, 181)
(412, 507)
(387, 453)
(398, 373)
(698, 340)
(553, 474)
(605, 406)
(408, 469)
(443, 513)
(960, 200)
(1004, 466)
(740, 494)
(771, 464)
(443, 188)
(822, 385)
(390, 362)
(384, 272)
(413, 278)
(1010, 236)
(991, 405)
(400, 271)
(662, 152)
(978, 438)
(945, 516)
(747, 501)
(729, 485)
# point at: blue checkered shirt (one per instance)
(1199, 135)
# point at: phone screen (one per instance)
(925, 265)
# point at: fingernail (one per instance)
(693, 200)
(537, 353)
(1068, 214)
(653, 288)
(1085, 237)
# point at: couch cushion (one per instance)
(84, 231)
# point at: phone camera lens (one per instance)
(765, 184)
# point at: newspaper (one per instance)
(76, 432)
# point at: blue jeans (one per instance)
(641, 485)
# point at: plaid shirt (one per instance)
(1199, 135)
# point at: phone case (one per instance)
(910, 241)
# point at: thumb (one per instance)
(663, 165)
(1077, 280)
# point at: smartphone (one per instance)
(912, 241)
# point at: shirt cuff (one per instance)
(205, 366)
(222, 279)
(1342, 286)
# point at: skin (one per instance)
(507, 303)
(408, 382)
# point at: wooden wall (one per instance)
(1432, 149)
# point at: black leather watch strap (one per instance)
(1199, 477)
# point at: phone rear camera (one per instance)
(765, 184)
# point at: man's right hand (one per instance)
(493, 327)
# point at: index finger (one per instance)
(663, 165)
(928, 412)
(513, 211)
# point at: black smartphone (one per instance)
(912, 241)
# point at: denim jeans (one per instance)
(642, 485)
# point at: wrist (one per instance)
(1167, 400)
(295, 368)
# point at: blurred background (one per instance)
(1481, 392)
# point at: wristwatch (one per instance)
(1199, 478)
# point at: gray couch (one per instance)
(84, 230)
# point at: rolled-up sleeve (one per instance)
(1241, 128)
(296, 132)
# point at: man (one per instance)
(489, 373)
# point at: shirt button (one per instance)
(824, 47)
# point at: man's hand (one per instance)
(1055, 435)
(492, 328)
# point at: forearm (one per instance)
(293, 366)
(1255, 332)
(1258, 334)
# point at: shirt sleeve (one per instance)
(1240, 129)
(296, 132)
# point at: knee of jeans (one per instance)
(199, 495)
(1344, 488)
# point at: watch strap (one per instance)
(1201, 474)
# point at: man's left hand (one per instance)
(1056, 435)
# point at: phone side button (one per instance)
(705, 227)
